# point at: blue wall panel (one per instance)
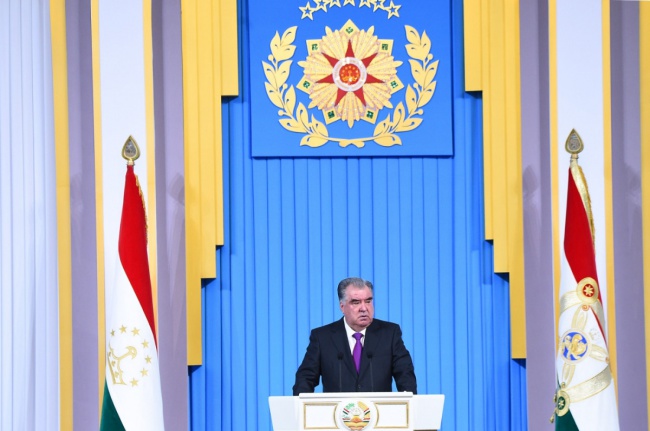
(414, 226)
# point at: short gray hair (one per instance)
(357, 282)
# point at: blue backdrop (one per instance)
(414, 226)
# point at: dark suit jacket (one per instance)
(383, 358)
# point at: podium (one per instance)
(385, 411)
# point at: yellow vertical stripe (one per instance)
(207, 140)
(514, 186)
(609, 211)
(487, 124)
(553, 120)
(229, 49)
(644, 77)
(492, 52)
(64, 235)
(222, 47)
(472, 29)
(498, 144)
(192, 201)
(152, 225)
(99, 203)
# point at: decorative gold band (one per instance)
(581, 184)
(591, 387)
(568, 300)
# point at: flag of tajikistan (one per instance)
(585, 398)
(132, 396)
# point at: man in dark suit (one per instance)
(379, 349)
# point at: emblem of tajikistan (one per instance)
(348, 75)
(356, 415)
(128, 357)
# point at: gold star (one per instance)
(307, 11)
(145, 344)
(134, 382)
(148, 359)
(348, 2)
(112, 332)
(392, 10)
(335, 3)
(123, 329)
(135, 331)
(367, 3)
(379, 4)
(144, 372)
(321, 5)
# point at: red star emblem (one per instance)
(350, 74)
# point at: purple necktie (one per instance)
(356, 353)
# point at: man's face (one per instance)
(357, 307)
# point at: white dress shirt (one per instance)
(351, 340)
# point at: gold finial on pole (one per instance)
(130, 151)
(574, 144)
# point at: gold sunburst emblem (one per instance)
(350, 73)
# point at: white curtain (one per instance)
(29, 318)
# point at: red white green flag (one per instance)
(585, 397)
(132, 396)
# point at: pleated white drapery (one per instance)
(29, 318)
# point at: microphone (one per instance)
(340, 373)
(372, 378)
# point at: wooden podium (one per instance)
(385, 411)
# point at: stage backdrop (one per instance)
(295, 226)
